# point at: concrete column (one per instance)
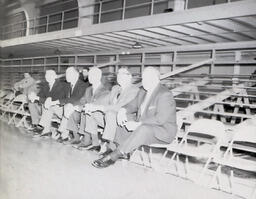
(31, 12)
(85, 9)
(237, 65)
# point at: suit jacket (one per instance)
(77, 94)
(99, 97)
(119, 98)
(159, 113)
(59, 91)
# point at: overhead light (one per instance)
(137, 45)
(57, 52)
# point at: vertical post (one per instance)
(237, 65)
(58, 64)
(174, 60)
(62, 20)
(44, 64)
(213, 55)
(99, 20)
(47, 23)
(34, 28)
(94, 60)
(142, 61)
(123, 11)
(152, 7)
(76, 59)
(236, 68)
(186, 4)
(116, 66)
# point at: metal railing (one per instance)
(97, 13)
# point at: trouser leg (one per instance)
(47, 117)
(110, 127)
(143, 135)
(35, 112)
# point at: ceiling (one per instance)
(205, 32)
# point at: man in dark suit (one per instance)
(155, 122)
(50, 97)
(76, 92)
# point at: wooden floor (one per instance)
(39, 168)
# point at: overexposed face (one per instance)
(123, 78)
(69, 76)
(26, 75)
(85, 73)
(94, 77)
(50, 77)
(149, 80)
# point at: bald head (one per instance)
(27, 75)
(72, 75)
(124, 77)
(50, 76)
(150, 78)
(94, 75)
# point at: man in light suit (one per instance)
(120, 95)
(155, 123)
(79, 113)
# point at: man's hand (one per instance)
(68, 110)
(32, 97)
(132, 125)
(77, 108)
(48, 103)
(87, 109)
(121, 117)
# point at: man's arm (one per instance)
(166, 106)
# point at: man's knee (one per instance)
(142, 130)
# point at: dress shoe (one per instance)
(38, 129)
(125, 156)
(48, 134)
(94, 148)
(108, 160)
(102, 164)
(32, 127)
(74, 142)
(82, 146)
(65, 140)
(59, 139)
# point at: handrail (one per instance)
(184, 69)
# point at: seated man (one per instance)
(155, 123)
(26, 85)
(77, 90)
(50, 97)
(78, 112)
(120, 95)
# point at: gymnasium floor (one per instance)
(39, 168)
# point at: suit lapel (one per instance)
(75, 87)
(141, 99)
(151, 99)
(97, 92)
